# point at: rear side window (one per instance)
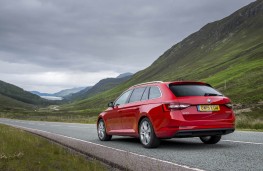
(154, 92)
(137, 94)
(123, 98)
(193, 90)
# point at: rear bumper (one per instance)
(203, 132)
(196, 129)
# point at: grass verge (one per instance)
(20, 151)
(250, 119)
(54, 118)
(52, 113)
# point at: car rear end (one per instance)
(196, 110)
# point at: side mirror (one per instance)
(111, 104)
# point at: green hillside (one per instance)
(11, 96)
(7, 104)
(20, 104)
(68, 92)
(101, 86)
(228, 54)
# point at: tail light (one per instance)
(175, 106)
(229, 105)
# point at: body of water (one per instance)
(52, 97)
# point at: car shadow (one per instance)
(178, 144)
(181, 144)
(129, 140)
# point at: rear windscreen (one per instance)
(193, 90)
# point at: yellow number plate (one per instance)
(208, 108)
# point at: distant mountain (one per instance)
(61, 93)
(102, 85)
(226, 54)
(77, 94)
(40, 94)
(125, 75)
(67, 92)
(14, 93)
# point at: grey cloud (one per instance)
(93, 36)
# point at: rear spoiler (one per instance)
(188, 83)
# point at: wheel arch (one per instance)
(142, 116)
(99, 118)
(145, 115)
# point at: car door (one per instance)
(113, 116)
(130, 111)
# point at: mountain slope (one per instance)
(67, 92)
(7, 103)
(18, 94)
(101, 86)
(41, 94)
(227, 53)
(61, 93)
(125, 75)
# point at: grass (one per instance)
(51, 118)
(250, 120)
(22, 151)
(52, 113)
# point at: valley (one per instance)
(228, 54)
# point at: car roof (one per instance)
(168, 83)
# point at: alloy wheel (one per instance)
(145, 132)
(101, 130)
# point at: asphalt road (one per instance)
(238, 151)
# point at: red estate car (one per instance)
(160, 110)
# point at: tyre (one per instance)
(147, 135)
(101, 129)
(211, 139)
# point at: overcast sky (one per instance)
(49, 45)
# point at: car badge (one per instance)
(209, 100)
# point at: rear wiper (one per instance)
(212, 94)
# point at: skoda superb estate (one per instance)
(159, 110)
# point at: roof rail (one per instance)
(147, 83)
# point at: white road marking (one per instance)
(250, 132)
(233, 141)
(76, 127)
(164, 161)
(243, 142)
